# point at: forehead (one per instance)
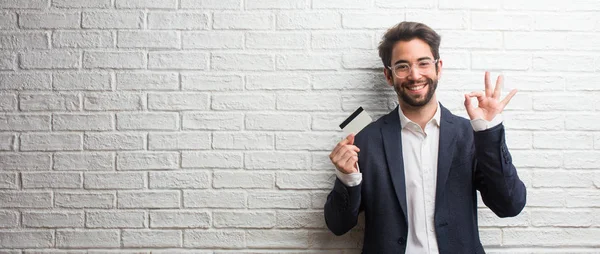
(411, 50)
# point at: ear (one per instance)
(388, 76)
(440, 63)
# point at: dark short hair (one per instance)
(406, 31)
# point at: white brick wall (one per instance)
(203, 126)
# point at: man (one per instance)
(415, 171)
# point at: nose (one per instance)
(414, 74)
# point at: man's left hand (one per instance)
(490, 104)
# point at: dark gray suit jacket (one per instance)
(468, 161)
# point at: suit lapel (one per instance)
(392, 142)
(445, 153)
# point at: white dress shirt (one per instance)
(420, 154)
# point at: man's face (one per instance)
(418, 87)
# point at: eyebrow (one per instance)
(404, 61)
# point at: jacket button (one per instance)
(401, 240)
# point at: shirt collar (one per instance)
(435, 120)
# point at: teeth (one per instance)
(415, 88)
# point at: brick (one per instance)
(113, 141)
(8, 20)
(560, 178)
(179, 180)
(25, 161)
(212, 40)
(49, 60)
(152, 238)
(327, 122)
(335, 4)
(539, 121)
(538, 83)
(26, 239)
(557, 140)
(87, 239)
(179, 219)
(277, 160)
(147, 121)
(536, 159)
(114, 60)
(115, 219)
(304, 181)
(9, 219)
(146, 4)
(213, 121)
(563, 22)
(113, 101)
(491, 237)
(581, 83)
(300, 219)
(472, 40)
(53, 219)
(243, 141)
(561, 218)
(49, 20)
(361, 60)
(243, 180)
(308, 20)
(318, 199)
(342, 40)
(489, 20)
(308, 62)
(428, 4)
(25, 81)
(566, 63)
(177, 60)
(213, 239)
(308, 101)
(8, 102)
(279, 200)
(245, 101)
(581, 160)
(179, 141)
(535, 41)
(306, 141)
(8, 181)
(83, 122)
(7, 142)
(276, 239)
(244, 219)
(501, 61)
(147, 160)
(277, 122)
(178, 20)
(24, 40)
(50, 142)
(61, 180)
(81, 81)
(214, 199)
(275, 4)
(324, 239)
(113, 20)
(278, 40)
(519, 140)
(241, 62)
(178, 101)
(582, 122)
(82, 39)
(550, 237)
(7, 60)
(148, 199)
(585, 41)
(242, 20)
(49, 102)
(211, 159)
(204, 82)
(278, 82)
(88, 161)
(469, 4)
(24, 4)
(81, 3)
(456, 60)
(487, 218)
(114, 181)
(438, 20)
(148, 39)
(148, 81)
(211, 4)
(84, 199)
(540, 6)
(369, 20)
(22, 199)
(546, 198)
(582, 198)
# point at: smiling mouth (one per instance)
(416, 88)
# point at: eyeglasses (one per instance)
(402, 70)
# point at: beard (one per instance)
(411, 100)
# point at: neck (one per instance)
(420, 115)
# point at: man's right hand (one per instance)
(345, 155)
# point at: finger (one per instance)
(478, 94)
(488, 85)
(343, 151)
(498, 88)
(350, 164)
(508, 98)
(350, 138)
(341, 144)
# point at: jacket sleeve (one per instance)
(342, 207)
(494, 174)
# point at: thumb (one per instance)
(350, 139)
(468, 104)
